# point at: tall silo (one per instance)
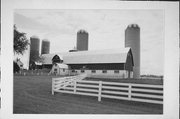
(34, 49)
(132, 40)
(45, 46)
(82, 40)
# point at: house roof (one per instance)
(47, 58)
(88, 57)
(19, 63)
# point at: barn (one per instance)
(110, 63)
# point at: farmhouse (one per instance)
(113, 63)
(19, 63)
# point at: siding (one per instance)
(102, 66)
(110, 74)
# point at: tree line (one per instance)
(20, 45)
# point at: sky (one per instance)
(106, 30)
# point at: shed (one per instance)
(59, 69)
(19, 63)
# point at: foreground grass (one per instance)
(32, 95)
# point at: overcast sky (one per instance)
(106, 30)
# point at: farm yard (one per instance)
(32, 95)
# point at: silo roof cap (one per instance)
(133, 26)
(82, 31)
(45, 40)
(34, 36)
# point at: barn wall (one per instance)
(109, 74)
(64, 72)
(47, 66)
(101, 66)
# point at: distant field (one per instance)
(32, 95)
(141, 81)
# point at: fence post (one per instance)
(52, 86)
(100, 89)
(75, 86)
(129, 91)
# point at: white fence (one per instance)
(62, 82)
(0, 91)
(114, 90)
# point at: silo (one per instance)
(132, 40)
(82, 40)
(45, 46)
(34, 49)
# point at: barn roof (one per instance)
(88, 57)
(47, 58)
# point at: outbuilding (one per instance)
(59, 69)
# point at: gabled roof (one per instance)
(19, 63)
(47, 58)
(88, 57)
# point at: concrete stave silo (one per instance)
(34, 49)
(45, 46)
(132, 39)
(82, 40)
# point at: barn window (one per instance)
(63, 70)
(104, 71)
(93, 71)
(116, 71)
(55, 70)
(82, 71)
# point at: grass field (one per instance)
(32, 95)
(139, 81)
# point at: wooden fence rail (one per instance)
(101, 89)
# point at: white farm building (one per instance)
(60, 69)
(114, 63)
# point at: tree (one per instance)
(20, 42)
(16, 67)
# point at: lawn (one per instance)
(32, 95)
